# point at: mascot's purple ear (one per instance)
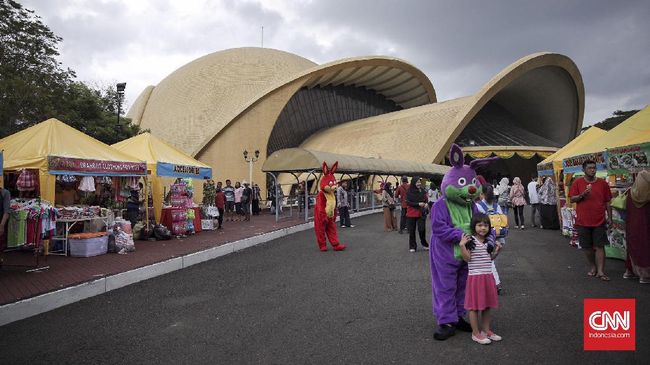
(456, 156)
(482, 161)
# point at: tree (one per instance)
(32, 81)
(618, 118)
(34, 86)
(94, 112)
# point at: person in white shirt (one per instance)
(433, 194)
(533, 185)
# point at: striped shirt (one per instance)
(480, 261)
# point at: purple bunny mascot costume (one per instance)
(450, 218)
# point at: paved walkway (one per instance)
(17, 284)
(285, 302)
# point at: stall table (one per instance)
(69, 223)
(166, 218)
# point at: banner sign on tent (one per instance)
(621, 160)
(79, 166)
(545, 169)
(572, 165)
(173, 170)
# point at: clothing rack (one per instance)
(38, 249)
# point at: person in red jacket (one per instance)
(416, 200)
(400, 193)
(592, 196)
(220, 203)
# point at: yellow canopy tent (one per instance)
(163, 160)
(54, 148)
(634, 130)
(553, 163)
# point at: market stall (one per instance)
(53, 160)
(619, 155)
(552, 166)
(165, 161)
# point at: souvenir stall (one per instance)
(164, 162)
(53, 166)
(620, 154)
(623, 165)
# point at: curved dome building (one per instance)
(257, 98)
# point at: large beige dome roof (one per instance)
(195, 103)
(202, 96)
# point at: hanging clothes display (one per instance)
(87, 184)
(27, 180)
(66, 180)
(105, 181)
(17, 224)
(132, 182)
(30, 222)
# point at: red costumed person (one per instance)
(325, 211)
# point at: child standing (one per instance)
(480, 292)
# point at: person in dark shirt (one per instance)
(256, 199)
(229, 192)
(5, 198)
(133, 205)
(246, 196)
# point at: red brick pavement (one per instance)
(16, 284)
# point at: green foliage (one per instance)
(94, 112)
(34, 86)
(618, 118)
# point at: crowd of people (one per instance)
(539, 194)
(236, 203)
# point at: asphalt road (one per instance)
(285, 302)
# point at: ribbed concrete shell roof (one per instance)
(201, 98)
(544, 90)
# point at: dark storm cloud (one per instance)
(607, 40)
(460, 45)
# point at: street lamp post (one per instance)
(251, 161)
(120, 95)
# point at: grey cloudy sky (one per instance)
(458, 44)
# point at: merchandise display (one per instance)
(183, 210)
(30, 222)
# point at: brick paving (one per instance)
(17, 284)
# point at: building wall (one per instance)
(250, 131)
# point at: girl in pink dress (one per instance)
(480, 292)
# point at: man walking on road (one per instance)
(534, 201)
(592, 196)
(401, 195)
(343, 203)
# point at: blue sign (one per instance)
(173, 170)
(573, 165)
